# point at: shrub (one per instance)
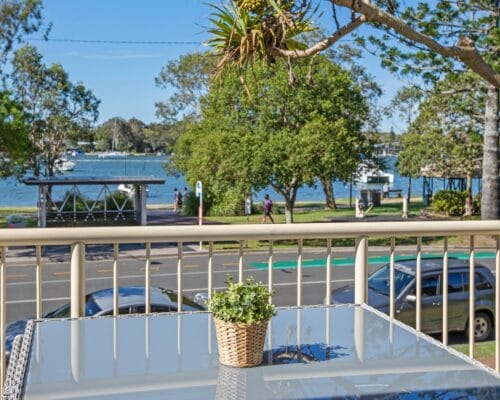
(80, 201)
(190, 205)
(230, 203)
(476, 204)
(450, 201)
(246, 302)
(120, 198)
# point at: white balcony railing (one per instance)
(78, 238)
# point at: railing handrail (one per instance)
(176, 234)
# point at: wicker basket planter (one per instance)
(240, 345)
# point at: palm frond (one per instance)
(243, 31)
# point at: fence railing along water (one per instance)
(79, 238)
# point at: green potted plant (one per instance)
(241, 316)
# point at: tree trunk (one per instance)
(468, 199)
(409, 190)
(290, 198)
(490, 207)
(288, 210)
(329, 195)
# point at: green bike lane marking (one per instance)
(342, 262)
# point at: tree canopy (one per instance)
(431, 40)
(279, 136)
(55, 106)
(18, 18)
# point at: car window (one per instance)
(479, 279)
(62, 312)
(160, 308)
(186, 301)
(429, 286)
(481, 282)
(121, 311)
(91, 307)
(139, 309)
(379, 280)
(455, 282)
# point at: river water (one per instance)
(13, 193)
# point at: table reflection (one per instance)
(311, 353)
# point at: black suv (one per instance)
(432, 289)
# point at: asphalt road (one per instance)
(56, 274)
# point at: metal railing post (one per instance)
(115, 280)
(179, 276)
(418, 290)
(472, 298)
(78, 280)
(299, 273)
(147, 283)
(445, 292)
(240, 263)
(3, 311)
(270, 268)
(328, 295)
(392, 289)
(38, 280)
(210, 268)
(497, 306)
(361, 270)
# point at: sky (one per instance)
(122, 75)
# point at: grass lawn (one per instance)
(315, 212)
(4, 212)
(481, 350)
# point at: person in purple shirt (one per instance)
(268, 209)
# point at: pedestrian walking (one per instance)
(176, 199)
(248, 208)
(179, 201)
(185, 193)
(385, 190)
(268, 209)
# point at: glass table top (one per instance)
(345, 352)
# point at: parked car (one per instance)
(432, 301)
(131, 300)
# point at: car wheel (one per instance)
(482, 328)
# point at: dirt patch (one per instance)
(489, 361)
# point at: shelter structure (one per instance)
(451, 180)
(108, 206)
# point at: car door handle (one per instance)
(437, 303)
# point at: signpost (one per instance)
(199, 194)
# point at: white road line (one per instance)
(34, 300)
(99, 278)
(189, 290)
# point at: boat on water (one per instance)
(113, 153)
(75, 152)
(129, 189)
(64, 165)
(368, 174)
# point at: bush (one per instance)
(80, 201)
(120, 198)
(476, 204)
(230, 203)
(246, 303)
(450, 201)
